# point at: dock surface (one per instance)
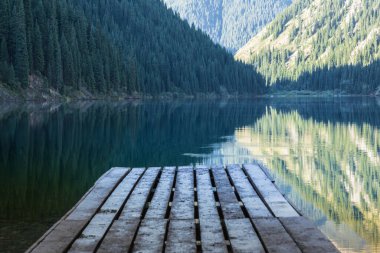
(184, 209)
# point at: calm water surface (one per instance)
(323, 153)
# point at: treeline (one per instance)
(352, 79)
(111, 46)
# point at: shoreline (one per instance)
(43, 95)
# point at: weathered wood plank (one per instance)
(119, 195)
(100, 223)
(92, 234)
(227, 198)
(274, 236)
(243, 237)
(181, 237)
(212, 237)
(60, 238)
(65, 231)
(88, 207)
(120, 236)
(150, 237)
(136, 202)
(251, 200)
(205, 193)
(160, 202)
(307, 236)
(274, 199)
(183, 202)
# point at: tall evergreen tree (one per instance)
(67, 63)
(29, 30)
(4, 18)
(18, 40)
(4, 61)
(4, 55)
(38, 53)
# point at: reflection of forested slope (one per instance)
(343, 110)
(50, 156)
(335, 166)
(47, 156)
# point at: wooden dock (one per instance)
(184, 209)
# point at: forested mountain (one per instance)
(113, 46)
(321, 45)
(229, 22)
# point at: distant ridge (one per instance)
(229, 22)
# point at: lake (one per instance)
(323, 153)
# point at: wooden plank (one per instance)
(274, 199)
(206, 200)
(120, 236)
(100, 223)
(243, 237)
(160, 202)
(274, 236)
(92, 234)
(181, 237)
(183, 202)
(137, 201)
(251, 200)
(60, 238)
(118, 197)
(212, 237)
(64, 232)
(150, 237)
(307, 236)
(88, 207)
(227, 198)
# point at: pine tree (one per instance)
(4, 55)
(19, 43)
(4, 18)
(38, 53)
(67, 62)
(29, 30)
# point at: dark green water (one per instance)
(324, 154)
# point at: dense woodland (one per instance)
(229, 22)
(321, 45)
(111, 46)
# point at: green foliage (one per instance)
(111, 46)
(38, 52)
(19, 50)
(332, 44)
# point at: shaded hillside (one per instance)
(113, 46)
(229, 22)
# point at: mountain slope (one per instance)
(229, 22)
(315, 36)
(113, 46)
